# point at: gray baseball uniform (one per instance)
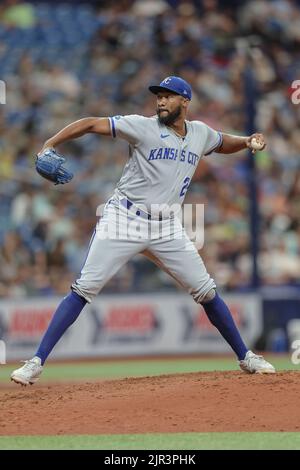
(159, 170)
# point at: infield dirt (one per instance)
(192, 402)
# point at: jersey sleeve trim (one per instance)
(217, 145)
(112, 127)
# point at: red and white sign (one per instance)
(127, 325)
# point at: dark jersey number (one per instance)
(186, 183)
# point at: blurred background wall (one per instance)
(64, 61)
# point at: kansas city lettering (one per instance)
(168, 153)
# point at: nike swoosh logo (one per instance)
(163, 136)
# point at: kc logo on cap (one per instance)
(175, 84)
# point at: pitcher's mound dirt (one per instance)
(197, 402)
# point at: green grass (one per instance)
(180, 441)
(115, 369)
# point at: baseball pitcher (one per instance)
(164, 151)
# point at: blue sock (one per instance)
(220, 316)
(65, 314)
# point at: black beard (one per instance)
(170, 118)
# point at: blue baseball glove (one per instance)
(49, 165)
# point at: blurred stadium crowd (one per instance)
(62, 62)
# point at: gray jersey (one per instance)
(159, 170)
(161, 164)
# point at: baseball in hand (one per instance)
(257, 144)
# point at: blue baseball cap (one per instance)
(175, 84)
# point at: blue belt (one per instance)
(128, 205)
